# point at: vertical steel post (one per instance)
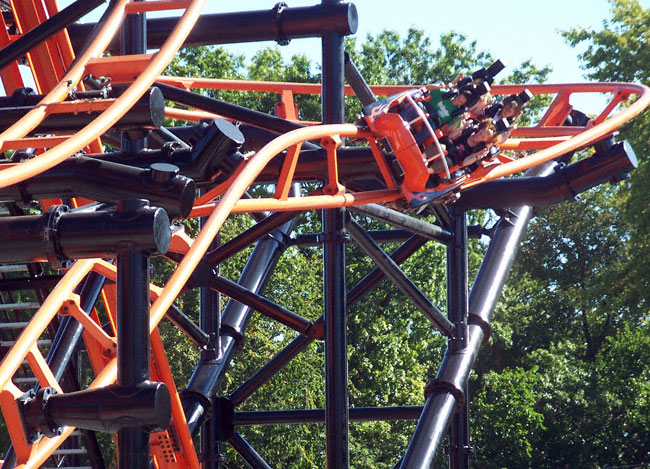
(457, 310)
(210, 322)
(336, 360)
(132, 347)
(133, 292)
(133, 38)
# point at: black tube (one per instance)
(380, 236)
(105, 181)
(269, 370)
(457, 307)
(132, 348)
(251, 235)
(401, 220)
(247, 26)
(108, 409)
(212, 158)
(257, 137)
(203, 384)
(69, 332)
(27, 97)
(247, 452)
(335, 307)
(357, 83)
(446, 393)
(147, 113)
(354, 163)
(227, 110)
(60, 235)
(46, 29)
(133, 332)
(371, 280)
(185, 324)
(563, 184)
(336, 358)
(260, 304)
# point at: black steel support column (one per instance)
(203, 385)
(133, 293)
(336, 359)
(457, 310)
(132, 347)
(210, 322)
(447, 392)
(133, 41)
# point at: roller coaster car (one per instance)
(424, 169)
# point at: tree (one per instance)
(618, 52)
(576, 310)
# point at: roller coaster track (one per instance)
(40, 420)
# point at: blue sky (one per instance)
(514, 30)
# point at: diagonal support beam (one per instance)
(251, 235)
(370, 281)
(269, 370)
(260, 304)
(397, 275)
(246, 451)
(400, 220)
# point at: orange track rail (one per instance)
(548, 136)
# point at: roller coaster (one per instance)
(93, 185)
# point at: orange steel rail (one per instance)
(548, 136)
(111, 115)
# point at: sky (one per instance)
(513, 30)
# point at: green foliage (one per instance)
(619, 52)
(389, 59)
(507, 397)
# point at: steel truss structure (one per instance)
(83, 260)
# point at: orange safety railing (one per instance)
(548, 136)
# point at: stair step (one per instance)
(30, 305)
(69, 451)
(9, 343)
(12, 268)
